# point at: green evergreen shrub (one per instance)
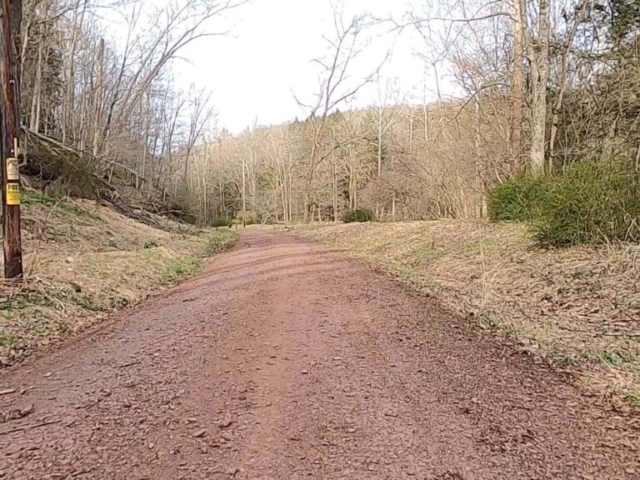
(250, 218)
(518, 199)
(593, 202)
(357, 215)
(220, 222)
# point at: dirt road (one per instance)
(286, 361)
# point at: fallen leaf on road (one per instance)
(225, 423)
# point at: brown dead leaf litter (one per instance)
(84, 261)
(287, 361)
(578, 307)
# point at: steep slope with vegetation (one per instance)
(101, 113)
(84, 261)
(106, 137)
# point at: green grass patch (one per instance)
(39, 198)
(615, 358)
(77, 211)
(32, 198)
(489, 322)
(7, 339)
(220, 241)
(180, 269)
(222, 222)
(13, 304)
(118, 303)
(89, 303)
(633, 396)
(425, 253)
(560, 359)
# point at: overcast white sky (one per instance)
(255, 72)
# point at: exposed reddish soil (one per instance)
(287, 361)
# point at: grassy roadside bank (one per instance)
(578, 308)
(84, 262)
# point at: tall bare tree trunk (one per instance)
(517, 115)
(411, 120)
(97, 101)
(244, 193)
(581, 12)
(334, 176)
(393, 207)
(425, 113)
(380, 132)
(70, 73)
(480, 170)
(34, 123)
(290, 197)
(283, 197)
(540, 74)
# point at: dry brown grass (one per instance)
(579, 308)
(84, 261)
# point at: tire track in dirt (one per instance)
(286, 361)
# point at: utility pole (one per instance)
(10, 47)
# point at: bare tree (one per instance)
(539, 55)
(335, 89)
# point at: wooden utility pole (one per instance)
(10, 45)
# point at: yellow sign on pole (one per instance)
(13, 194)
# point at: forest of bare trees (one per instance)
(94, 109)
(543, 85)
